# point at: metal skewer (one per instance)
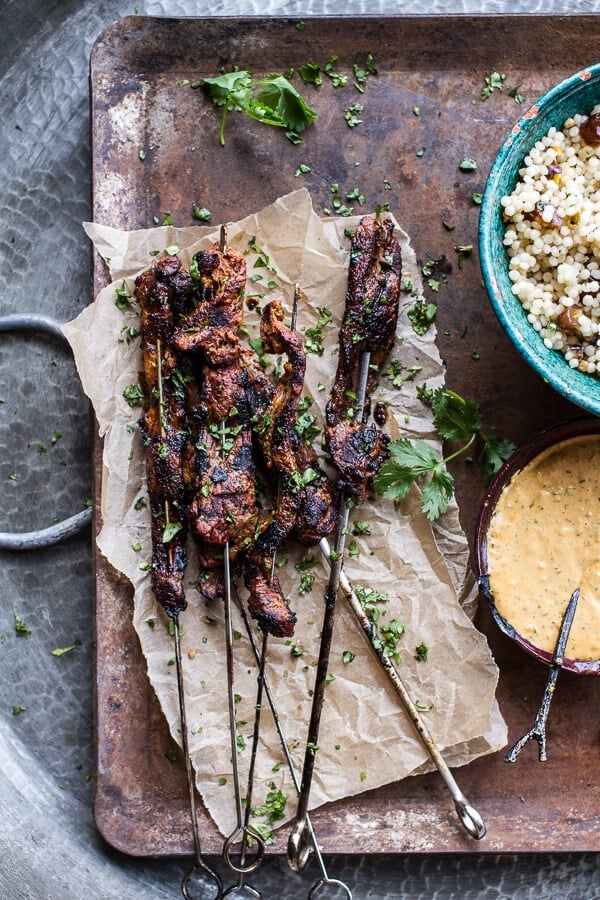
(200, 866)
(538, 730)
(325, 880)
(243, 831)
(299, 845)
(469, 818)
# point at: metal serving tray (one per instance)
(438, 65)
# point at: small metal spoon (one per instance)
(538, 731)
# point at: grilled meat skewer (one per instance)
(160, 291)
(303, 504)
(368, 326)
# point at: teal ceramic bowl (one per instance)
(577, 94)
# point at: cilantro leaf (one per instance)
(495, 452)
(437, 493)
(272, 100)
(454, 417)
(417, 456)
(231, 89)
(277, 93)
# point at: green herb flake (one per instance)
(123, 298)
(463, 250)
(201, 213)
(133, 395)
(21, 629)
(302, 170)
(170, 530)
(422, 315)
(467, 164)
(492, 82)
(17, 710)
(348, 656)
(421, 651)
(60, 651)
(352, 115)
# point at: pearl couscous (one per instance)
(552, 237)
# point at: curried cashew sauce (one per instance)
(544, 540)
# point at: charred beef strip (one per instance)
(218, 279)
(303, 503)
(160, 291)
(228, 391)
(369, 325)
(224, 509)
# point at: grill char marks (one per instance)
(369, 325)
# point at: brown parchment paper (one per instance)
(366, 739)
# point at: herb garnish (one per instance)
(455, 419)
(492, 82)
(134, 395)
(271, 100)
(21, 629)
(271, 810)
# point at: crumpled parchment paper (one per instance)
(366, 739)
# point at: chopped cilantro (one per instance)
(134, 395)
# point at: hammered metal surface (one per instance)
(49, 847)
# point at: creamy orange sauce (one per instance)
(544, 541)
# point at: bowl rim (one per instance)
(552, 436)
(576, 386)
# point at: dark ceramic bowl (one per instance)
(577, 94)
(520, 458)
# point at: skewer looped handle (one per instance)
(322, 883)
(246, 863)
(198, 869)
(470, 818)
(300, 846)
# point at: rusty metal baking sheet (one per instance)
(422, 114)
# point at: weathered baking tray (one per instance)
(437, 65)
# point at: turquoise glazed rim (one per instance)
(577, 94)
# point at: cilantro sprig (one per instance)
(272, 100)
(455, 419)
